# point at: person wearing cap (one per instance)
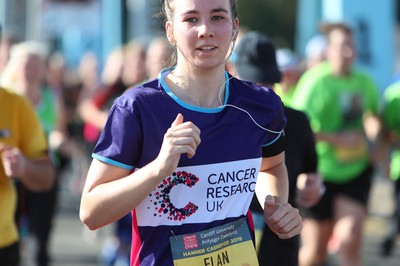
(339, 100)
(315, 51)
(255, 60)
(289, 66)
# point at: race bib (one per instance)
(229, 244)
(346, 154)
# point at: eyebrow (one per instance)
(215, 10)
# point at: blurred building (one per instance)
(75, 26)
(375, 28)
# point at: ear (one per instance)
(170, 32)
(235, 31)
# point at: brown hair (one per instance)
(328, 28)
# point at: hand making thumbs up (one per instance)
(180, 138)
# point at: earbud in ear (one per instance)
(171, 40)
(234, 33)
(170, 33)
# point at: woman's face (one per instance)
(203, 31)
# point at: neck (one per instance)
(199, 87)
(340, 70)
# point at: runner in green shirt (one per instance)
(337, 99)
(391, 120)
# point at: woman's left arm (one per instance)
(272, 191)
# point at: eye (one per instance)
(217, 18)
(191, 20)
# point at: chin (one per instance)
(210, 65)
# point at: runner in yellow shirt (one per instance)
(24, 156)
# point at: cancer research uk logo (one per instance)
(163, 204)
(190, 242)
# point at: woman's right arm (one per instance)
(110, 192)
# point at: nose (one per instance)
(347, 51)
(205, 30)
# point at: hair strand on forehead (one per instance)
(168, 9)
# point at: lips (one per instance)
(206, 48)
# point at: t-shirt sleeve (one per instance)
(275, 148)
(391, 107)
(119, 142)
(275, 141)
(372, 98)
(304, 92)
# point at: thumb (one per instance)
(314, 180)
(270, 206)
(178, 120)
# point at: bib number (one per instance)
(229, 244)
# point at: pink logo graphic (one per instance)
(163, 204)
(190, 242)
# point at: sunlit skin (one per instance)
(202, 31)
(37, 175)
(28, 76)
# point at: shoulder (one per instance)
(140, 94)
(310, 81)
(8, 95)
(13, 99)
(245, 84)
(253, 91)
(19, 108)
(362, 76)
(296, 115)
(262, 103)
(316, 73)
(391, 97)
(297, 118)
(393, 91)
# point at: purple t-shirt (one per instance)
(212, 188)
